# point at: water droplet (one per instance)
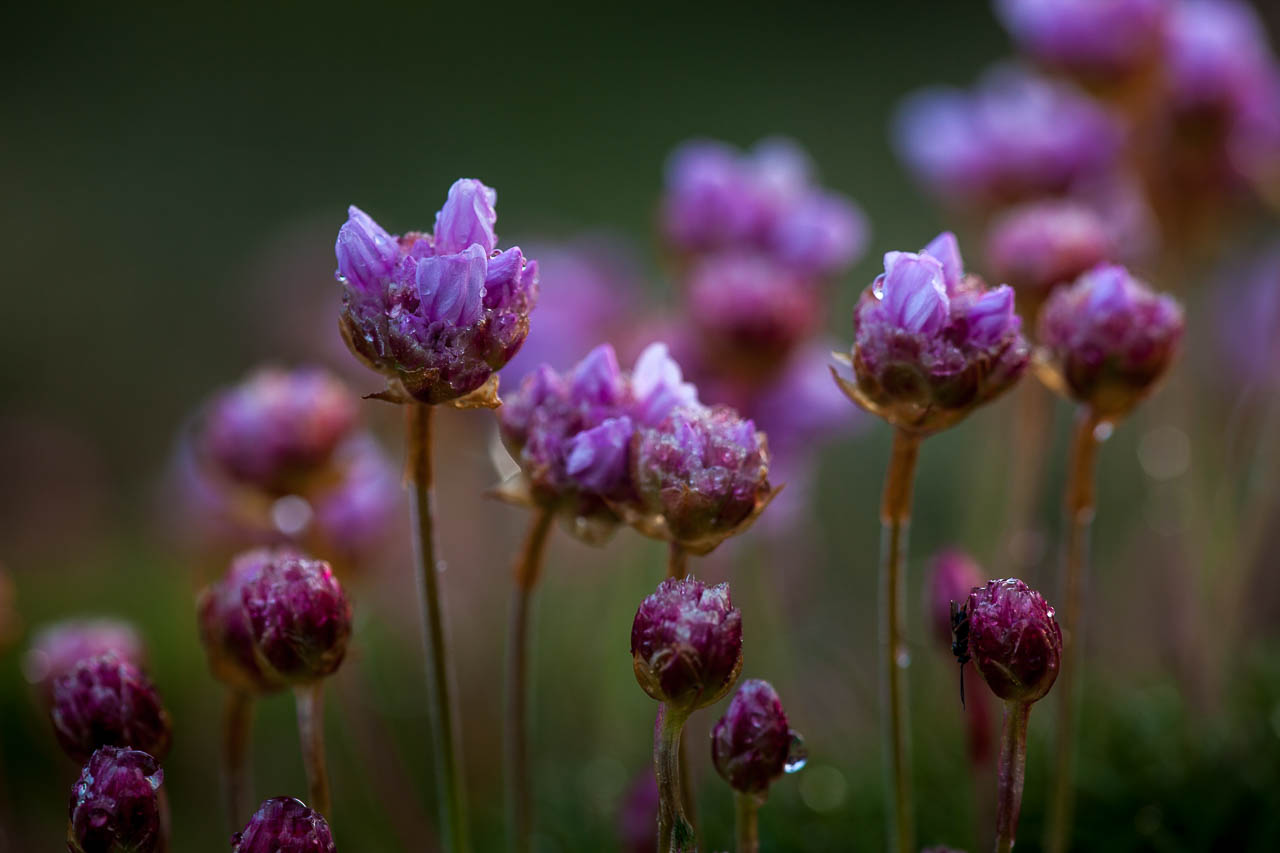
(291, 514)
(797, 754)
(1103, 431)
(903, 659)
(877, 287)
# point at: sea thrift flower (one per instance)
(108, 701)
(57, 648)
(1014, 640)
(752, 744)
(1044, 244)
(1107, 339)
(437, 313)
(224, 625)
(299, 617)
(1217, 56)
(686, 643)
(701, 476)
(931, 343)
(284, 825)
(954, 575)
(1017, 136)
(115, 806)
(1097, 40)
(278, 429)
(351, 517)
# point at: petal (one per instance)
(467, 218)
(946, 249)
(367, 254)
(450, 286)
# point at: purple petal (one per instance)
(367, 254)
(597, 379)
(946, 249)
(467, 218)
(450, 286)
(597, 458)
(915, 295)
(991, 317)
(658, 386)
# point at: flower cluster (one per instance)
(115, 804)
(56, 649)
(284, 825)
(1095, 40)
(1014, 640)
(435, 313)
(753, 743)
(108, 701)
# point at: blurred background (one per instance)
(173, 180)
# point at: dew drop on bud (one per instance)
(797, 754)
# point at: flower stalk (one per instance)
(746, 823)
(310, 702)
(237, 728)
(1011, 773)
(677, 561)
(675, 832)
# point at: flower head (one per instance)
(114, 805)
(108, 701)
(1096, 40)
(1217, 56)
(224, 625)
(931, 343)
(686, 643)
(1014, 640)
(57, 648)
(1107, 339)
(1038, 246)
(299, 617)
(284, 825)
(435, 313)
(752, 744)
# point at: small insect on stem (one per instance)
(960, 640)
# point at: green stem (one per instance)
(747, 829)
(895, 512)
(237, 725)
(527, 570)
(1079, 507)
(310, 700)
(1011, 774)
(675, 833)
(447, 750)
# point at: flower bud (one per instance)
(752, 744)
(686, 643)
(114, 805)
(224, 625)
(1014, 640)
(299, 617)
(107, 701)
(284, 825)
(57, 648)
(1096, 41)
(954, 575)
(702, 475)
(1107, 339)
(1041, 245)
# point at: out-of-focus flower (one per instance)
(299, 618)
(1014, 640)
(931, 343)
(284, 825)
(115, 804)
(1248, 320)
(638, 815)
(1216, 55)
(224, 626)
(352, 516)
(1095, 40)
(438, 313)
(1042, 244)
(108, 701)
(57, 648)
(1107, 339)
(719, 198)
(753, 744)
(953, 577)
(1015, 137)
(701, 476)
(686, 643)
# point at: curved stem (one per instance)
(747, 830)
(895, 512)
(675, 833)
(237, 726)
(527, 570)
(1011, 774)
(310, 699)
(677, 561)
(1079, 508)
(447, 750)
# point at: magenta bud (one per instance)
(57, 648)
(224, 624)
(299, 617)
(686, 643)
(752, 744)
(953, 576)
(108, 701)
(1039, 246)
(1014, 640)
(284, 825)
(114, 805)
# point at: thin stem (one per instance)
(310, 699)
(166, 820)
(1030, 435)
(527, 570)
(747, 829)
(675, 833)
(678, 567)
(237, 726)
(1011, 774)
(1079, 508)
(895, 511)
(677, 561)
(447, 750)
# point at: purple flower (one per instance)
(1097, 40)
(1016, 136)
(701, 476)
(57, 648)
(224, 625)
(1040, 245)
(1216, 55)
(751, 745)
(353, 515)
(953, 576)
(1014, 640)
(299, 617)
(284, 825)
(278, 430)
(638, 815)
(437, 314)
(931, 343)
(115, 806)
(686, 643)
(107, 701)
(1107, 338)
